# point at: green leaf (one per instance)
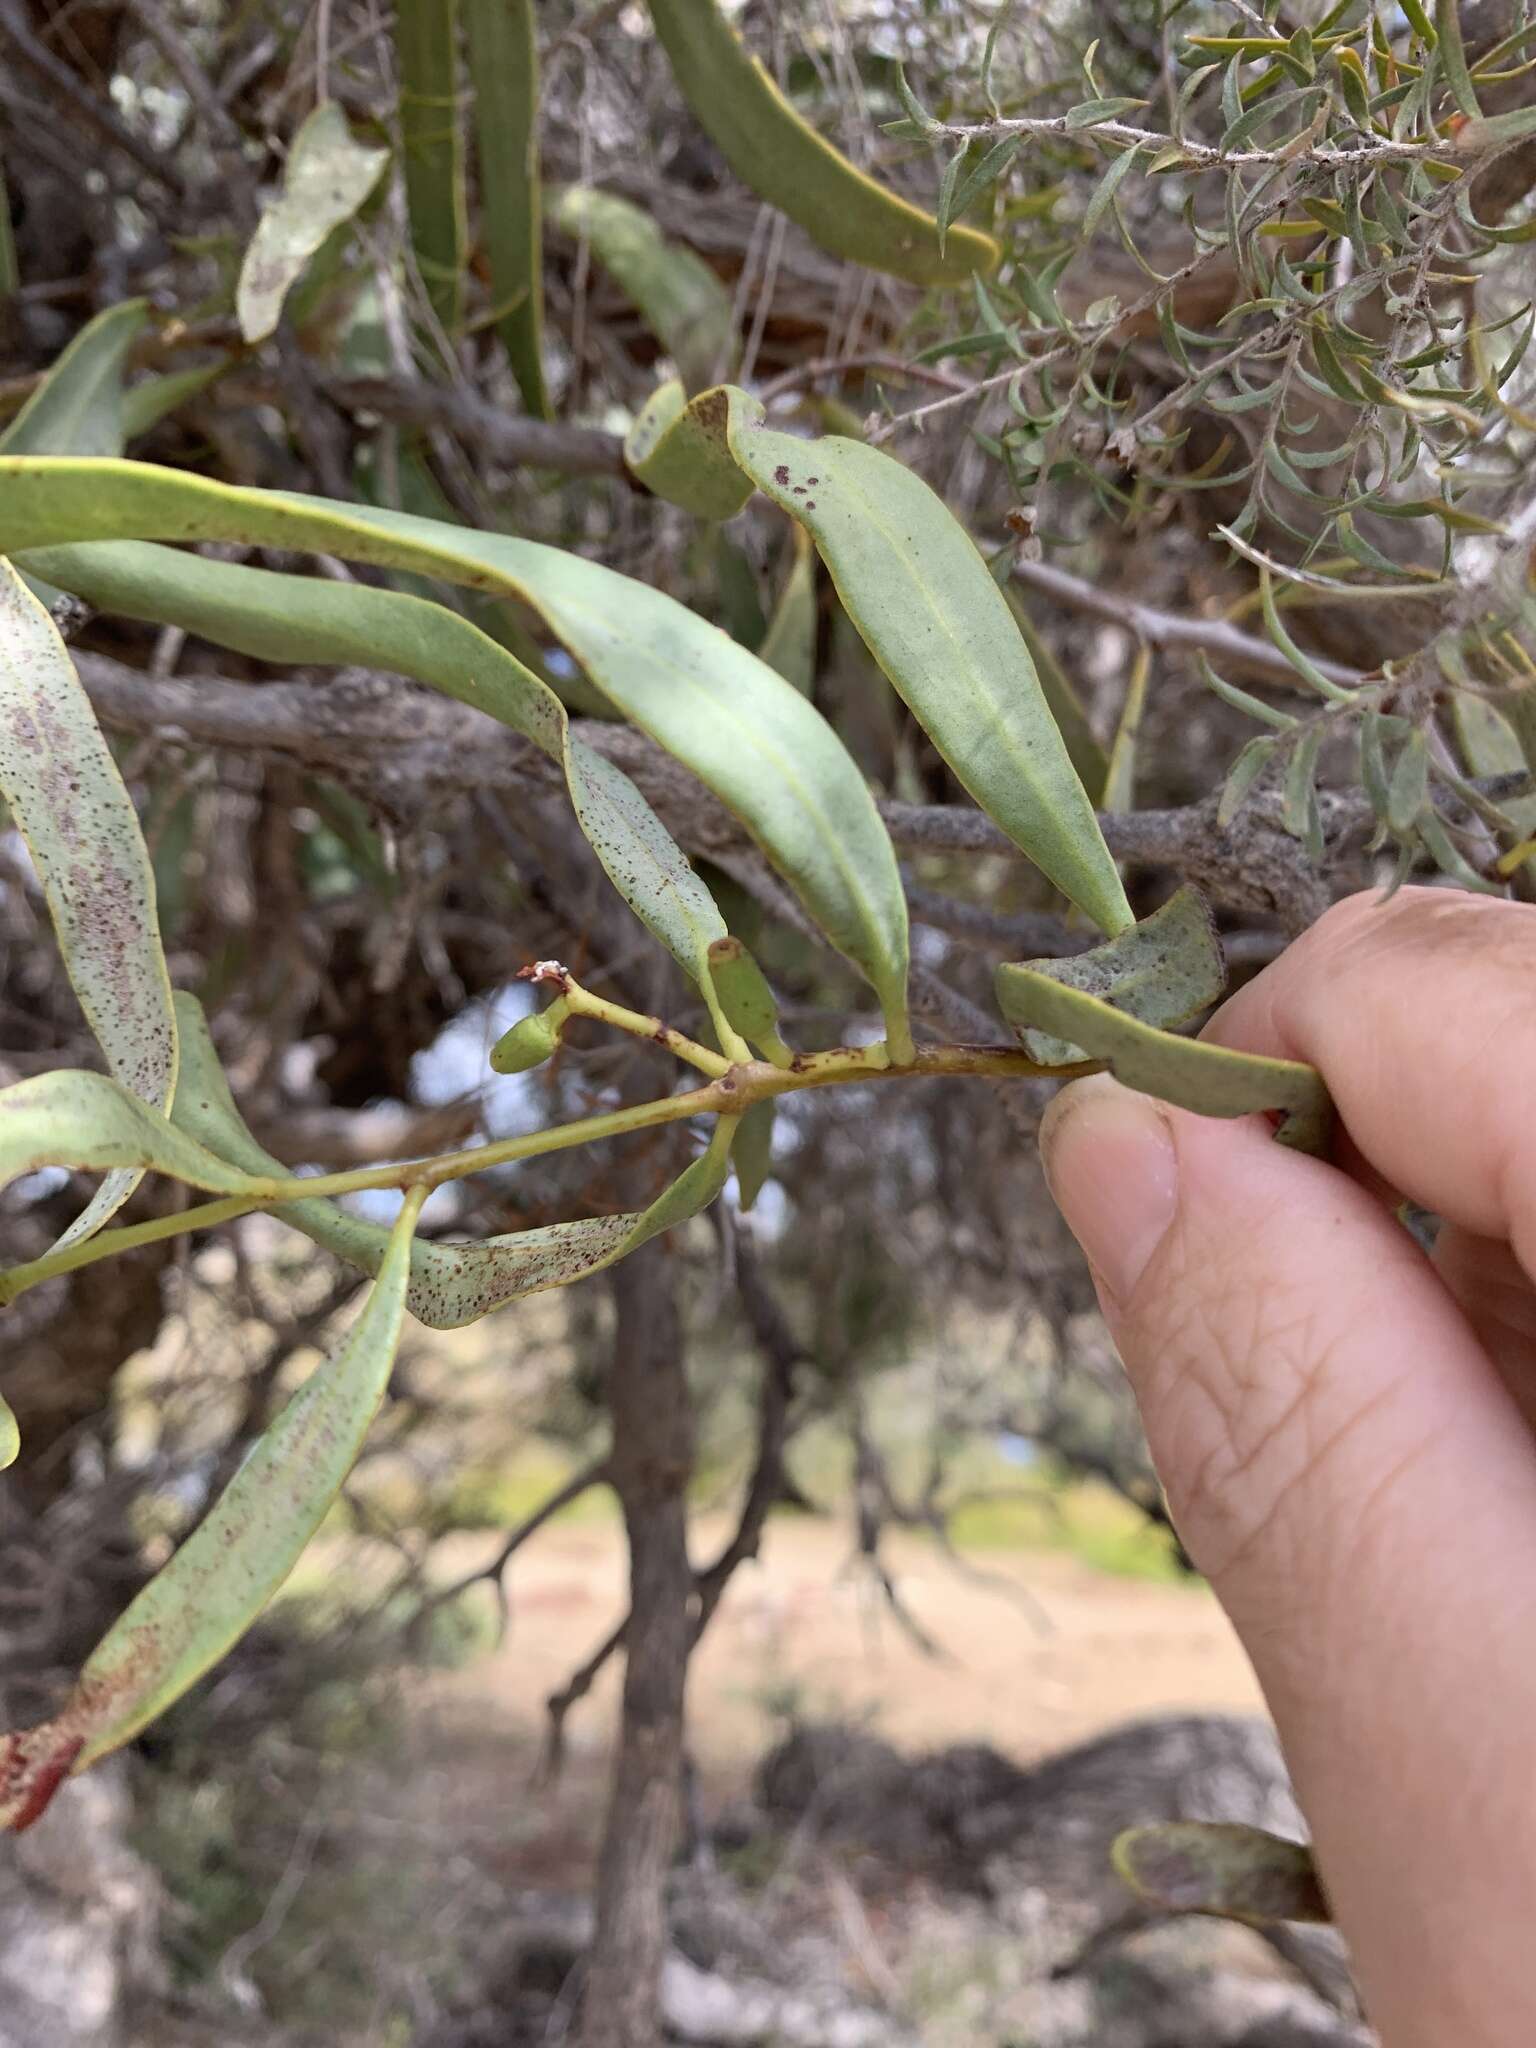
(752, 1155)
(504, 71)
(1453, 58)
(911, 580)
(749, 736)
(1164, 970)
(1185, 1071)
(283, 618)
(789, 645)
(1408, 791)
(1104, 192)
(92, 1123)
(675, 453)
(747, 1001)
(784, 160)
(194, 1610)
(1220, 1867)
(684, 304)
(78, 407)
(1092, 113)
(1084, 751)
(432, 141)
(154, 399)
(69, 802)
(10, 1434)
(1250, 764)
(451, 1284)
(328, 175)
(1490, 746)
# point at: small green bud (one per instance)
(529, 1043)
(747, 1000)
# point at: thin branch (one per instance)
(1168, 631)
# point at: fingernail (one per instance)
(1110, 1160)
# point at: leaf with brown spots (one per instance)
(73, 809)
(194, 1611)
(328, 175)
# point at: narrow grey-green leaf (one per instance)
(1185, 1071)
(789, 645)
(69, 801)
(1219, 1867)
(90, 1122)
(741, 728)
(328, 175)
(684, 304)
(200, 1604)
(1408, 791)
(915, 586)
(78, 407)
(1164, 970)
(1453, 58)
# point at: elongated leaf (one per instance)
(741, 728)
(284, 618)
(328, 175)
(914, 585)
(1235, 1872)
(677, 455)
(153, 399)
(752, 1155)
(787, 163)
(789, 645)
(1490, 746)
(1453, 57)
(65, 794)
(1087, 756)
(10, 1435)
(504, 69)
(191, 1613)
(1186, 1071)
(1164, 970)
(93, 1123)
(432, 138)
(77, 409)
(685, 305)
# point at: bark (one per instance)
(652, 1456)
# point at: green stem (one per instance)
(729, 1094)
(582, 1003)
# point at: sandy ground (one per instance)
(1037, 1650)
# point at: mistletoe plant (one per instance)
(76, 517)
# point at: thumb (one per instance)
(1343, 1462)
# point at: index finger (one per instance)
(1420, 1013)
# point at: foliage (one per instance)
(1242, 300)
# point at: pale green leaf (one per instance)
(789, 645)
(684, 304)
(1185, 1071)
(1164, 970)
(912, 581)
(69, 801)
(195, 1609)
(328, 175)
(675, 452)
(78, 407)
(752, 1155)
(432, 144)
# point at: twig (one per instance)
(1168, 631)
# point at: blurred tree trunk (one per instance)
(648, 1401)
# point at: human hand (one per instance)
(1346, 1428)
